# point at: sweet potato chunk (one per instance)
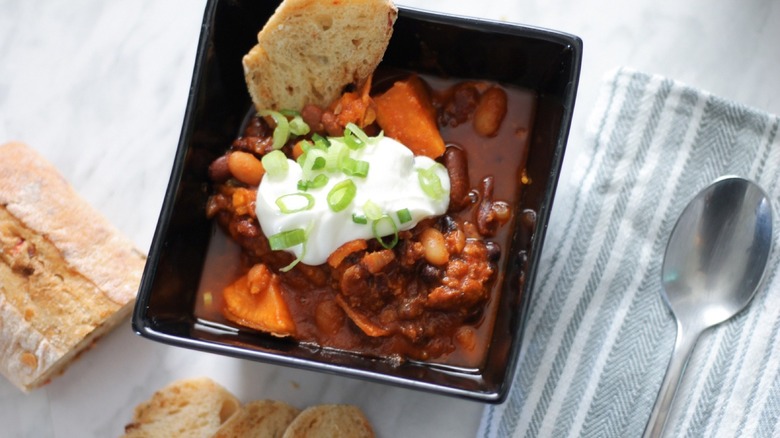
(405, 113)
(255, 300)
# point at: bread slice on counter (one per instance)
(310, 50)
(259, 419)
(191, 408)
(330, 421)
(200, 407)
(67, 275)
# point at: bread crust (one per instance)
(192, 408)
(259, 419)
(66, 274)
(330, 420)
(310, 50)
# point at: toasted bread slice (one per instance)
(67, 275)
(310, 50)
(259, 419)
(330, 421)
(190, 408)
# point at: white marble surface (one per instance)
(100, 86)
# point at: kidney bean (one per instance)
(490, 112)
(218, 169)
(460, 105)
(490, 214)
(257, 127)
(312, 115)
(457, 168)
(245, 167)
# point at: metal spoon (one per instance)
(714, 262)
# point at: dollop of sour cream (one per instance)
(392, 184)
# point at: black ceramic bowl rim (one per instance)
(151, 327)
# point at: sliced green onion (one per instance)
(359, 219)
(430, 182)
(287, 239)
(337, 152)
(315, 160)
(353, 130)
(302, 157)
(306, 145)
(372, 210)
(296, 261)
(318, 181)
(353, 167)
(298, 126)
(404, 215)
(282, 129)
(341, 195)
(386, 222)
(320, 141)
(291, 203)
(275, 163)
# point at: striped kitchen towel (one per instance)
(598, 336)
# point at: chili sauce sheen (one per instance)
(307, 291)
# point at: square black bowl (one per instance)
(545, 62)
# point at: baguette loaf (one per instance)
(310, 50)
(191, 408)
(259, 419)
(66, 274)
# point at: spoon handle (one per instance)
(683, 347)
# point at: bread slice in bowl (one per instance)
(309, 51)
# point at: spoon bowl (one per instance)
(714, 263)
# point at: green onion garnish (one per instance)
(359, 219)
(320, 141)
(315, 160)
(336, 153)
(372, 210)
(282, 130)
(341, 195)
(354, 137)
(287, 239)
(390, 230)
(296, 261)
(275, 163)
(292, 203)
(354, 130)
(306, 145)
(430, 182)
(404, 215)
(298, 126)
(353, 167)
(318, 181)
(303, 236)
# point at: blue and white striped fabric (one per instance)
(599, 337)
